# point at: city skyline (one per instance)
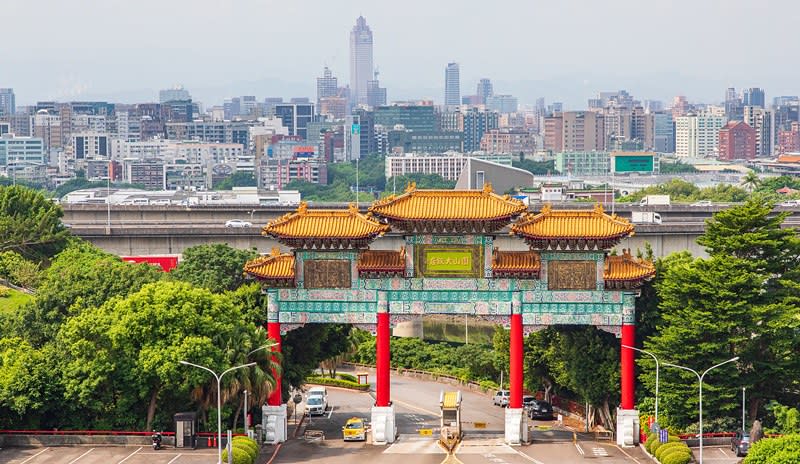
(519, 59)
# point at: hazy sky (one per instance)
(564, 50)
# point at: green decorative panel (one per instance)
(448, 261)
(572, 319)
(577, 308)
(328, 306)
(328, 318)
(299, 294)
(434, 307)
(447, 296)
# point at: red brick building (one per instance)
(737, 141)
(789, 141)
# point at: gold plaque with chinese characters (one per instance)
(571, 275)
(327, 273)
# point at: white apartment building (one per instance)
(449, 166)
(762, 120)
(697, 134)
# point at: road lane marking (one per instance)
(130, 455)
(626, 454)
(40, 452)
(580, 450)
(411, 406)
(529, 458)
(175, 458)
(329, 414)
(79, 457)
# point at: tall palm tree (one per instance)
(751, 181)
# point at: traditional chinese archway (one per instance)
(449, 265)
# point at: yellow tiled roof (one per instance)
(327, 224)
(572, 224)
(450, 400)
(515, 261)
(475, 205)
(382, 260)
(626, 267)
(272, 266)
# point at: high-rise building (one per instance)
(476, 123)
(361, 66)
(7, 103)
(503, 104)
(177, 93)
(295, 116)
(737, 141)
(762, 121)
(697, 134)
(583, 131)
(452, 85)
(485, 90)
(376, 95)
(554, 133)
(733, 105)
(789, 140)
(753, 96)
(663, 133)
(417, 118)
(327, 86)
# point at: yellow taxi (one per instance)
(354, 429)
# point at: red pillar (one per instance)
(516, 370)
(627, 378)
(382, 361)
(274, 332)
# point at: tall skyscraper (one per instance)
(452, 85)
(484, 90)
(327, 86)
(360, 61)
(7, 103)
(753, 97)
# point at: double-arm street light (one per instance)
(700, 381)
(219, 400)
(656, 359)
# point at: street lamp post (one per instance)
(700, 381)
(657, 368)
(743, 427)
(219, 400)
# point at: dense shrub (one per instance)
(683, 449)
(245, 442)
(348, 377)
(4, 291)
(240, 455)
(666, 447)
(338, 383)
(782, 450)
(651, 439)
(678, 457)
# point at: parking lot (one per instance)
(105, 455)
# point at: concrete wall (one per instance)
(71, 440)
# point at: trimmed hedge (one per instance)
(348, 377)
(240, 455)
(338, 383)
(677, 457)
(651, 440)
(666, 447)
(245, 442)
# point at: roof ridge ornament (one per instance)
(276, 251)
(598, 208)
(352, 208)
(547, 208)
(411, 187)
(487, 187)
(302, 208)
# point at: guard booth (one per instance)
(450, 404)
(186, 430)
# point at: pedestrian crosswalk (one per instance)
(599, 452)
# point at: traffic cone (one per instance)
(209, 442)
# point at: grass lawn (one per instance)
(14, 300)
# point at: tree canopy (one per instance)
(217, 267)
(30, 223)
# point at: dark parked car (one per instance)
(527, 401)
(740, 443)
(540, 410)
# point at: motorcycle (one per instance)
(156, 437)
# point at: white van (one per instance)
(316, 401)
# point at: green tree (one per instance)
(30, 224)
(217, 267)
(80, 276)
(237, 179)
(122, 358)
(28, 385)
(397, 185)
(751, 181)
(539, 168)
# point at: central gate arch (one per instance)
(448, 265)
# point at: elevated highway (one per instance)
(164, 230)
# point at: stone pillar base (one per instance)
(274, 424)
(516, 426)
(382, 422)
(627, 427)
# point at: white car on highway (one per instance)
(238, 223)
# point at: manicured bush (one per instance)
(240, 455)
(677, 457)
(348, 377)
(245, 442)
(781, 450)
(665, 447)
(651, 439)
(677, 449)
(337, 383)
(655, 446)
(4, 291)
